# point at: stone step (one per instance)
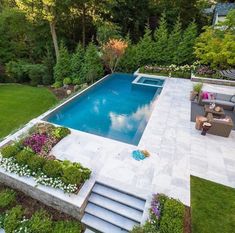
(89, 231)
(116, 207)
(101, 225)
(111, 217)
(119, 196)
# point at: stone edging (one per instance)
(212, 81)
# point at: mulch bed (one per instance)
(61, 93)
(31, 206)
(187, 220)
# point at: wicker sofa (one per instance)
(221, 100)
(220, 127)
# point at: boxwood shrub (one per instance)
(53, 168)
(36, 162)
(72, 175)
(24, 156)
(10, 151)
(172, 217)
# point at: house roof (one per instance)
(222, 9)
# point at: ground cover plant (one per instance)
(20, 103)
(167, 215)
(30, 157)
(212, 206)
(24, 214)
(173, 70)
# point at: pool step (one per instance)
(111, 210)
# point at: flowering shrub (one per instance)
(166, 216)
(32, 159)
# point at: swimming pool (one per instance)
(112, 108)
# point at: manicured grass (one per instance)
(213, 207)
(20, 103)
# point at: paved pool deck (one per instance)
(177, 150)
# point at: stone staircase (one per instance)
(111, 210)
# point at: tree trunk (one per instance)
(84, 26)
(54, 38)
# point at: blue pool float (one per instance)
(138, 155)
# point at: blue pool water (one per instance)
(113, 108)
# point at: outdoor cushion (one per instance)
(223, 97)
(223, 102)
(232, 99)
(207, 101)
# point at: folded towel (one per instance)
(138, 155)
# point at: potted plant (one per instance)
(196, 90)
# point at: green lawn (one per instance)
(213, 207)
(20, 103)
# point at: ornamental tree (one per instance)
(113, 50)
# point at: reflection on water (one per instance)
(126, 123)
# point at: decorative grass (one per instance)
(213, 207)
(19, 104)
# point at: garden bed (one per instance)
(217, 81)
(27, 165)
(167, 215)
(50, 221)
(170, 71)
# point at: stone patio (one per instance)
(177, 151)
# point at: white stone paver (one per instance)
(177, 150)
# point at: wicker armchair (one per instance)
(220, 127)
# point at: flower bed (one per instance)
(30, 157)
(170, 71)
(20, 214)
(166, 216)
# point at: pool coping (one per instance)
(136, 81)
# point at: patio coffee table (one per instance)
(207, 110)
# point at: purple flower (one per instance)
(155, 206)
(36, 142)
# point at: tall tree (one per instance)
(62, 68)
(92, 68)
(173, 42)
(186, 46)
(161, 37)
(77, 63)
(48, 10)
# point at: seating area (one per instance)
(214, 113)
(223, 100)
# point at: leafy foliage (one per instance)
(40, 222)
(7, 198)
(62, 68)
(52, 168)
(216, 47)
(13, 218)
(113, 50)
(92, 68)
(9, 151)
(166, 216)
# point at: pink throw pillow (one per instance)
(205, 95)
